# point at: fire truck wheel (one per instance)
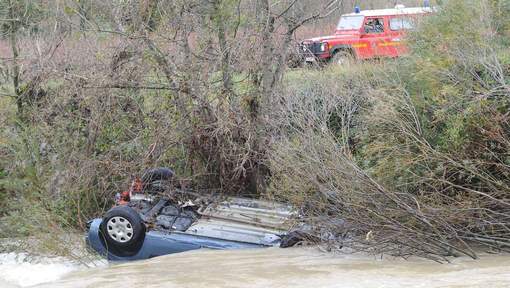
(341, 57)
(123, 231)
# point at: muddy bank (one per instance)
(296, 267)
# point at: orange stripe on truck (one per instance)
(385, 44)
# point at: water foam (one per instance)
(21, 270)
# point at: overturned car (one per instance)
(155, 217)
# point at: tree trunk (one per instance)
(83, 10)
(15, 54)
(224, 49)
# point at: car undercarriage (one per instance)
(156, 217)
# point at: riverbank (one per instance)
(404, 156)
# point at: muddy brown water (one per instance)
(295, 267)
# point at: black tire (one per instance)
(342, 57)
(123, 231)
(157, 180)
(157, 174)
(295, 237)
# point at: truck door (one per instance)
(374, 34)
(398, 25)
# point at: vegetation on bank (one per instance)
(411, 156)
(404, 156)
(93, 92)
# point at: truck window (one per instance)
(401, 23)
(350, 22)
(374, 25)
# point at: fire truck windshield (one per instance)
(350, 23)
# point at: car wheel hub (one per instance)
(119, 229)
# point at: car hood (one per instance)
(331, 37)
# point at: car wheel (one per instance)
(157, 179)
(157, 174)
(341, 57)
(123, 231)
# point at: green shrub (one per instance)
(425, 171)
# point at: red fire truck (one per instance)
(364, 35)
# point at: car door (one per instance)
(398, 27)
(374, 34)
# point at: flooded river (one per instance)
(296, 267)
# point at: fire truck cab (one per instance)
(364, 35)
